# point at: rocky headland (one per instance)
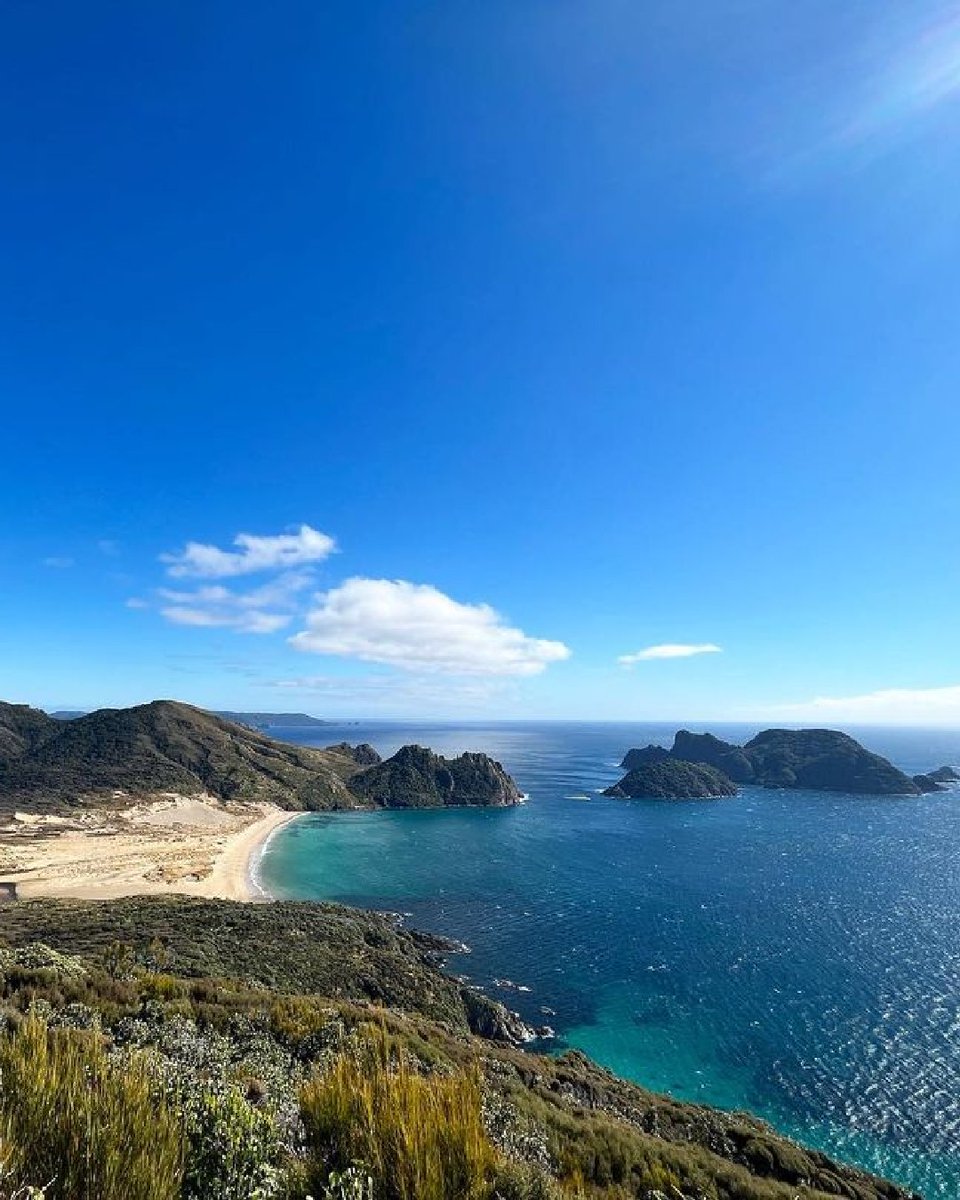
(113, 756)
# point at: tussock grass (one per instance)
(420, 1137)
(91, 1130)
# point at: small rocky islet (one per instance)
(702, 766)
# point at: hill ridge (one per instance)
(171, 746)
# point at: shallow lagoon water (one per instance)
(794, 954)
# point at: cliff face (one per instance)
(417, 778)
(819, 759)
(116, 754)
(705, 748)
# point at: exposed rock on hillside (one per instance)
(417, 778)
(363, 755)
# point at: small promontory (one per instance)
(417, 778)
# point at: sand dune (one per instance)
(192, 845)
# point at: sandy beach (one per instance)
(172, 844)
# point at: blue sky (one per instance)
(526, 336)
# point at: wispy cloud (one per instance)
(244, 622)
(59, 562)
(255, 553)
(419, 628)
(897, 706)
(137, 602)
(109, 547)
(392, 693)
(913, 70)
(668, 650)
(265, 609)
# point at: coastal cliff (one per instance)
(417, 778)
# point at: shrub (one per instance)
(418, 1137)
(232, 1147)
(71, 1118)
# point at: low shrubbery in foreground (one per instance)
(127, 1073)
(90, 1128)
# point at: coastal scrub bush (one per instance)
(88, 1129)
(418, 1137)
(232, 1147)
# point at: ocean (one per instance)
(794, 954)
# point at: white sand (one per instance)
(173, 844)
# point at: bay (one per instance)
(796, 954)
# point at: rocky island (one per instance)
(816, 759)
(671, 779)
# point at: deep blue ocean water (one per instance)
(794, 954)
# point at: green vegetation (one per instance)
(116, 755)
(291, 947)
(91, 1128)
(823, 759)
(420, 1137)
(819, 759)
(285, 1078)
(417, 778)
(671, 779)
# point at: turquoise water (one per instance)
(794, 954)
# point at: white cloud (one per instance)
(255, 553)
(58, 562)
(896, 706)
(243, 622)
(668, 650)
(137, 602)
(108, 547)
(262, 610)
(418, 628)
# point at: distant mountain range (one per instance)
(115, 754)
(273, 720)
(256, 720)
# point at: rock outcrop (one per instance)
(363, 754)
(417, 778)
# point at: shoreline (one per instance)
(168, 845)
(256, 892)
